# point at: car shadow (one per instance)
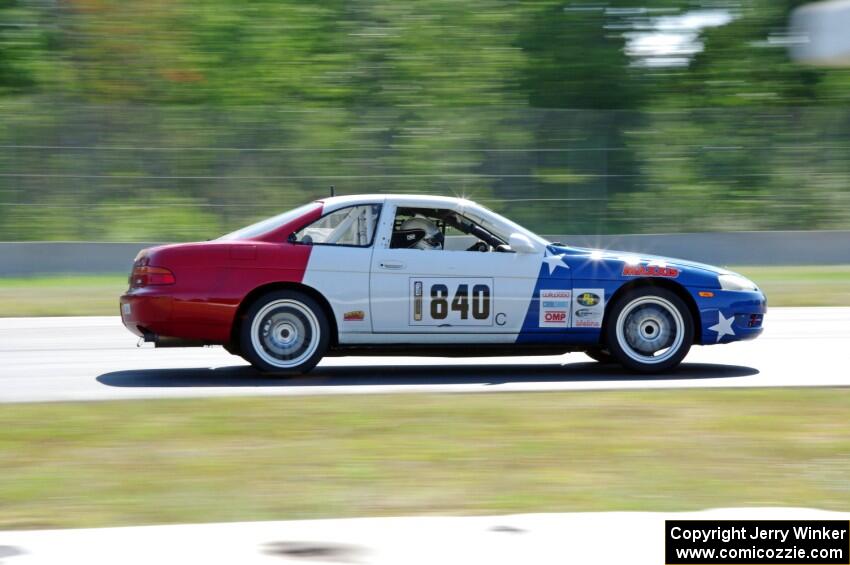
(442, 374)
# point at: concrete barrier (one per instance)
(730, 248)
(38, 258)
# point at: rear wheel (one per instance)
(649, 330)
(284, 333)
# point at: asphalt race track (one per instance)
(56, 359)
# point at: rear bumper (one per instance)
(146, 314)
(175, 320)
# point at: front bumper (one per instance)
(731, 315)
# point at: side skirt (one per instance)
(444, 350)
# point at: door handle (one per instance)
(395, 265)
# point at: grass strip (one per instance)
(172, 461)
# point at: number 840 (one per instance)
(478, 303)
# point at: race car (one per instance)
(427, 275)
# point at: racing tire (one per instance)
(601, 355)
(649, 330)
(284, 333)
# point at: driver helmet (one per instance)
(433, 239)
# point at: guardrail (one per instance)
(77, 257)
(728, 248)
(732, 248)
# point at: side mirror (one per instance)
(521, 244)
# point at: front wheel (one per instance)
(649, 330)
(284, 333)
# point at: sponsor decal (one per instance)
(564, 294)
(588, 299)
(555, 316)
(555, 308)
(589, 309)
(354, 316)
(650, 271)
(417, 301)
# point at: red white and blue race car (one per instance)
(424, 275)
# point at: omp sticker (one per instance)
(589, 307)
(555, 308)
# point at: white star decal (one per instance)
(554, 261)
(723, 326)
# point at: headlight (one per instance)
(736, 282)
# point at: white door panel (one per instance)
(509, 277)
(341, 274)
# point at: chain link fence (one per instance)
(77, 171)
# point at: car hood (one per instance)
(610, 264)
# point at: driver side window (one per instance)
(435, 229)
(353, 226)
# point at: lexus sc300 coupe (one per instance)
(425, 275)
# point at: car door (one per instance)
(486, 296)
(341, 243)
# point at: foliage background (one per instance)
(155, 120)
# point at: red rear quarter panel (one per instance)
(213, 278)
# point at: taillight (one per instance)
(145, 275)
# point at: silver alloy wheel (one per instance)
(650, 329)
(285, 333)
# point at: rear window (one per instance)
(269, 224)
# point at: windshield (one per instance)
(498, 224)
(269, 224)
